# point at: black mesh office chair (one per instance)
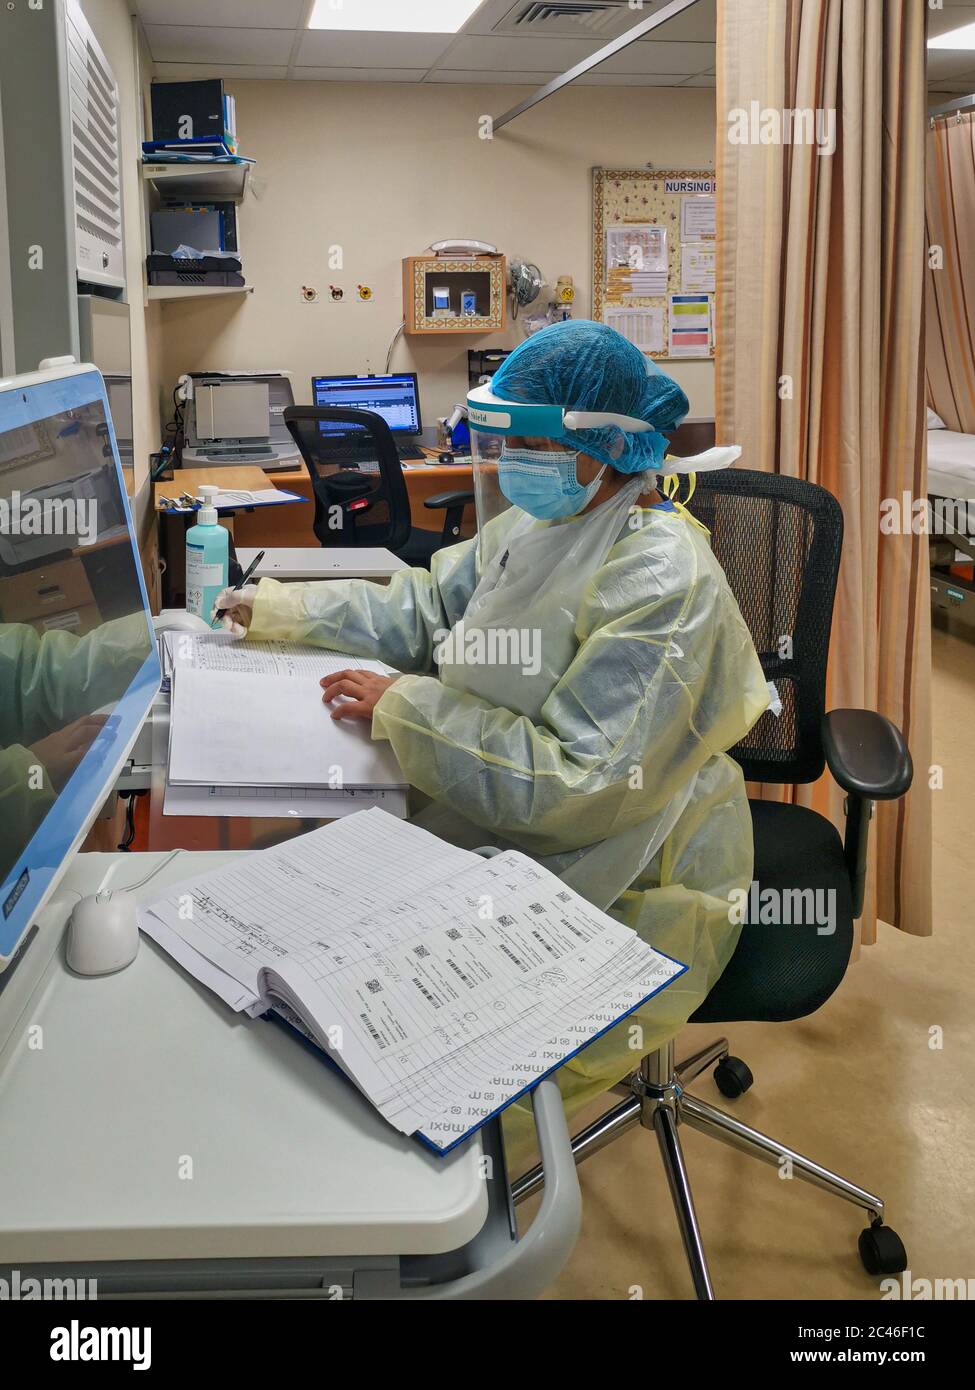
(778, 540)
(357, 480)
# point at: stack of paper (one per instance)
(442, 983)
(250, 735)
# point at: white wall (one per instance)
(383, 170)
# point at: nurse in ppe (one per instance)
(573, 675)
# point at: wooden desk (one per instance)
(290, 526)
(427, 481)
(279, 526)
(265, 524)
(247, 476)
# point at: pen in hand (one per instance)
(250, 569)
(242, 580)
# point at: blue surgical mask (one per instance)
(544, 483)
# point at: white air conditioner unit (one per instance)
(60, 179)
(96, 163)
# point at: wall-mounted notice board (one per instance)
(653, 258)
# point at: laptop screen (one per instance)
(395, 398)
(78, 666)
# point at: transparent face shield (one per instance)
(489, 500)
(496, 425)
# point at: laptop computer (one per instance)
(396, 398)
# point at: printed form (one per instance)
(230, 728)
(442, 982)
(219, 651)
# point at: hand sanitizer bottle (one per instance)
(207, 558)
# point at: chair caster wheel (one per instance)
(732, 1077)
(882, 1251)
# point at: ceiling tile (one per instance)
(175, 43)
(359, 74)
(698, 24)
(232, 14)
(942, 21)
(958, 88)
(519, 55)
(630, 79)
(192, 72)
(490, 14)
(948, 63)
(659, 56)
(487, 78)
(319, 48)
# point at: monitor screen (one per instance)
(395, 398)
(78, 664)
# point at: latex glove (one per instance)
(235, 609)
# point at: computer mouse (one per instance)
(103, 934)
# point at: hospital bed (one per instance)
(951, 494)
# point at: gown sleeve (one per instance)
(397, 623)
(664, 676)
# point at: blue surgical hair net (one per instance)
(581, 365)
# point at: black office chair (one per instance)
(778, 540)
(357, 480)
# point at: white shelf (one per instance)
(210, 182)
(195, 291)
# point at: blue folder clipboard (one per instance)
(236, 506)
(428, 1144)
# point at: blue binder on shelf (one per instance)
(197, 149)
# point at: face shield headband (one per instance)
(491, 414)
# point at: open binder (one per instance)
(442, 983)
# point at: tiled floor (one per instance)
(855, 1086)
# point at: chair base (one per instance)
(656, 1099)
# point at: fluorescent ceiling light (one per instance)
(393, 16)
(956, 38)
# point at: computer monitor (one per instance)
(78, 664)
(396, 398)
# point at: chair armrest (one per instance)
(870, 760)
(867, 754)
(449, 499)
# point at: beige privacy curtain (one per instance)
(819, 367)
(949, 310)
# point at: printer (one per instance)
(237, 417)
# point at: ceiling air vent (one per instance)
(95, 156)
(571, 19)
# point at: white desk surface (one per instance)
(323, 562)
(142, 1070)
